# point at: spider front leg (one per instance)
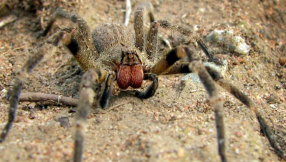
(87, 95)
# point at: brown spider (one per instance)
(112, 53)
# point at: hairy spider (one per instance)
(112, 53)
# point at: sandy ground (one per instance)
(177, 124)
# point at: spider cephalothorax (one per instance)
(112, 48)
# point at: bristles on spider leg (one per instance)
(217, 104)
(35, 58)
(79, 145)
(87, 95)
(85, 101)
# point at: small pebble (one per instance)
(273, 99)
(181, 152)
(282, 61)
(64, 121)
(238, 134)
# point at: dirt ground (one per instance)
(177, 123)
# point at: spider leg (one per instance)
(36, 57)
(79, 41)
(169, 60)
(85, 101)
(16, 90)
(197, 66)
(251, 105)
(248, 102)
(87, 94)
(82, 25)
(178, 68)
(143, 9)
(167, 66)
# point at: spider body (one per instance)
(113, 53)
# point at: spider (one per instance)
(112, 53)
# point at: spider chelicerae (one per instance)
(112, 53)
